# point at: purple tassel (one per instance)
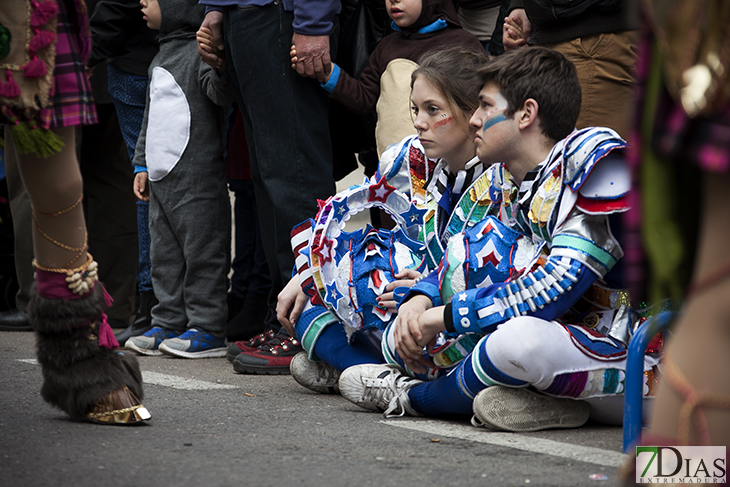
(41, 39)
(106, 335)
(42, 13)
(11, 88)
(107, 297)
(35, 68)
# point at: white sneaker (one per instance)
(520, 410)
(379, 388)
(317, 376)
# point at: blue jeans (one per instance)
(129, 94)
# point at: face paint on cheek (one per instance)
(493, 120)
(496, 114)
(442, 123)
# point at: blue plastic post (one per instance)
(634, 393)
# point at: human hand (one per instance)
(141, 188)
(312, 56)
(416, 327)
(206, 43)
(517, 29)
(406, 278)
(213, 23)
(290, 303)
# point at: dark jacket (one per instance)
(561, 20)
(121, 36)
(361, 95)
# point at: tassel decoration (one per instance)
(11, 88)
(107, 297)
(106, 335)
(42, 13)
(46, 142)
(41, 39)
(35, 68)
(21, 136)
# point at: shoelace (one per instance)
(261, 338)
(283, 344)
(376, 389)
(326, 373)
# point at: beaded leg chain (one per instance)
(84, 373)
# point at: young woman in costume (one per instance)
(439, 171)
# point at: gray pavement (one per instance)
(213, 427)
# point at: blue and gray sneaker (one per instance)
(195, 343)
(149, 343)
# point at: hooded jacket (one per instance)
(385, 83)
(181, 124)
(122, 37)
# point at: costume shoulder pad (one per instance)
(583, 149)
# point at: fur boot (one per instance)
(78, 374)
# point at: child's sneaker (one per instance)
(271, 358)
(149, 342)
(382, 387)
(521, 410)
(195, 343)
(317, 376)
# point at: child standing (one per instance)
(384, 85)
(180, 153)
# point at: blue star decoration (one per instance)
(333, 294)
(340, 209)
(414, 215)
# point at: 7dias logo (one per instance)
(680, 464)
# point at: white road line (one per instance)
(587, 454)
(181, 382)
(167, 380)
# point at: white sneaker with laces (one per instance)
(317, 376)
(522, 410)
(379, 388)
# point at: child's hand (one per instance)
(293, 55)
(290, 303)
(213, 56)
(407, 278)
(517, 29)
(141, 188)
(417, 325)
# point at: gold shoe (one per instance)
(118, 407)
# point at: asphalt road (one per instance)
(213, 427)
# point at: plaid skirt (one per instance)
(71, 100)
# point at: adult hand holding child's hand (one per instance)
(312, 54)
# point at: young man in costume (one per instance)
(553, 324)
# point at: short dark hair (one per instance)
(454, 73)
(544, 75)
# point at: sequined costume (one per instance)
(345, 272)
(552, 322)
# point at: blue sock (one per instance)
(454, 393)
(332, 347)
(443, 395)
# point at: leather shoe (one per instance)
(14, 320)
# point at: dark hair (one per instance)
(544, 75)
(454, 73)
